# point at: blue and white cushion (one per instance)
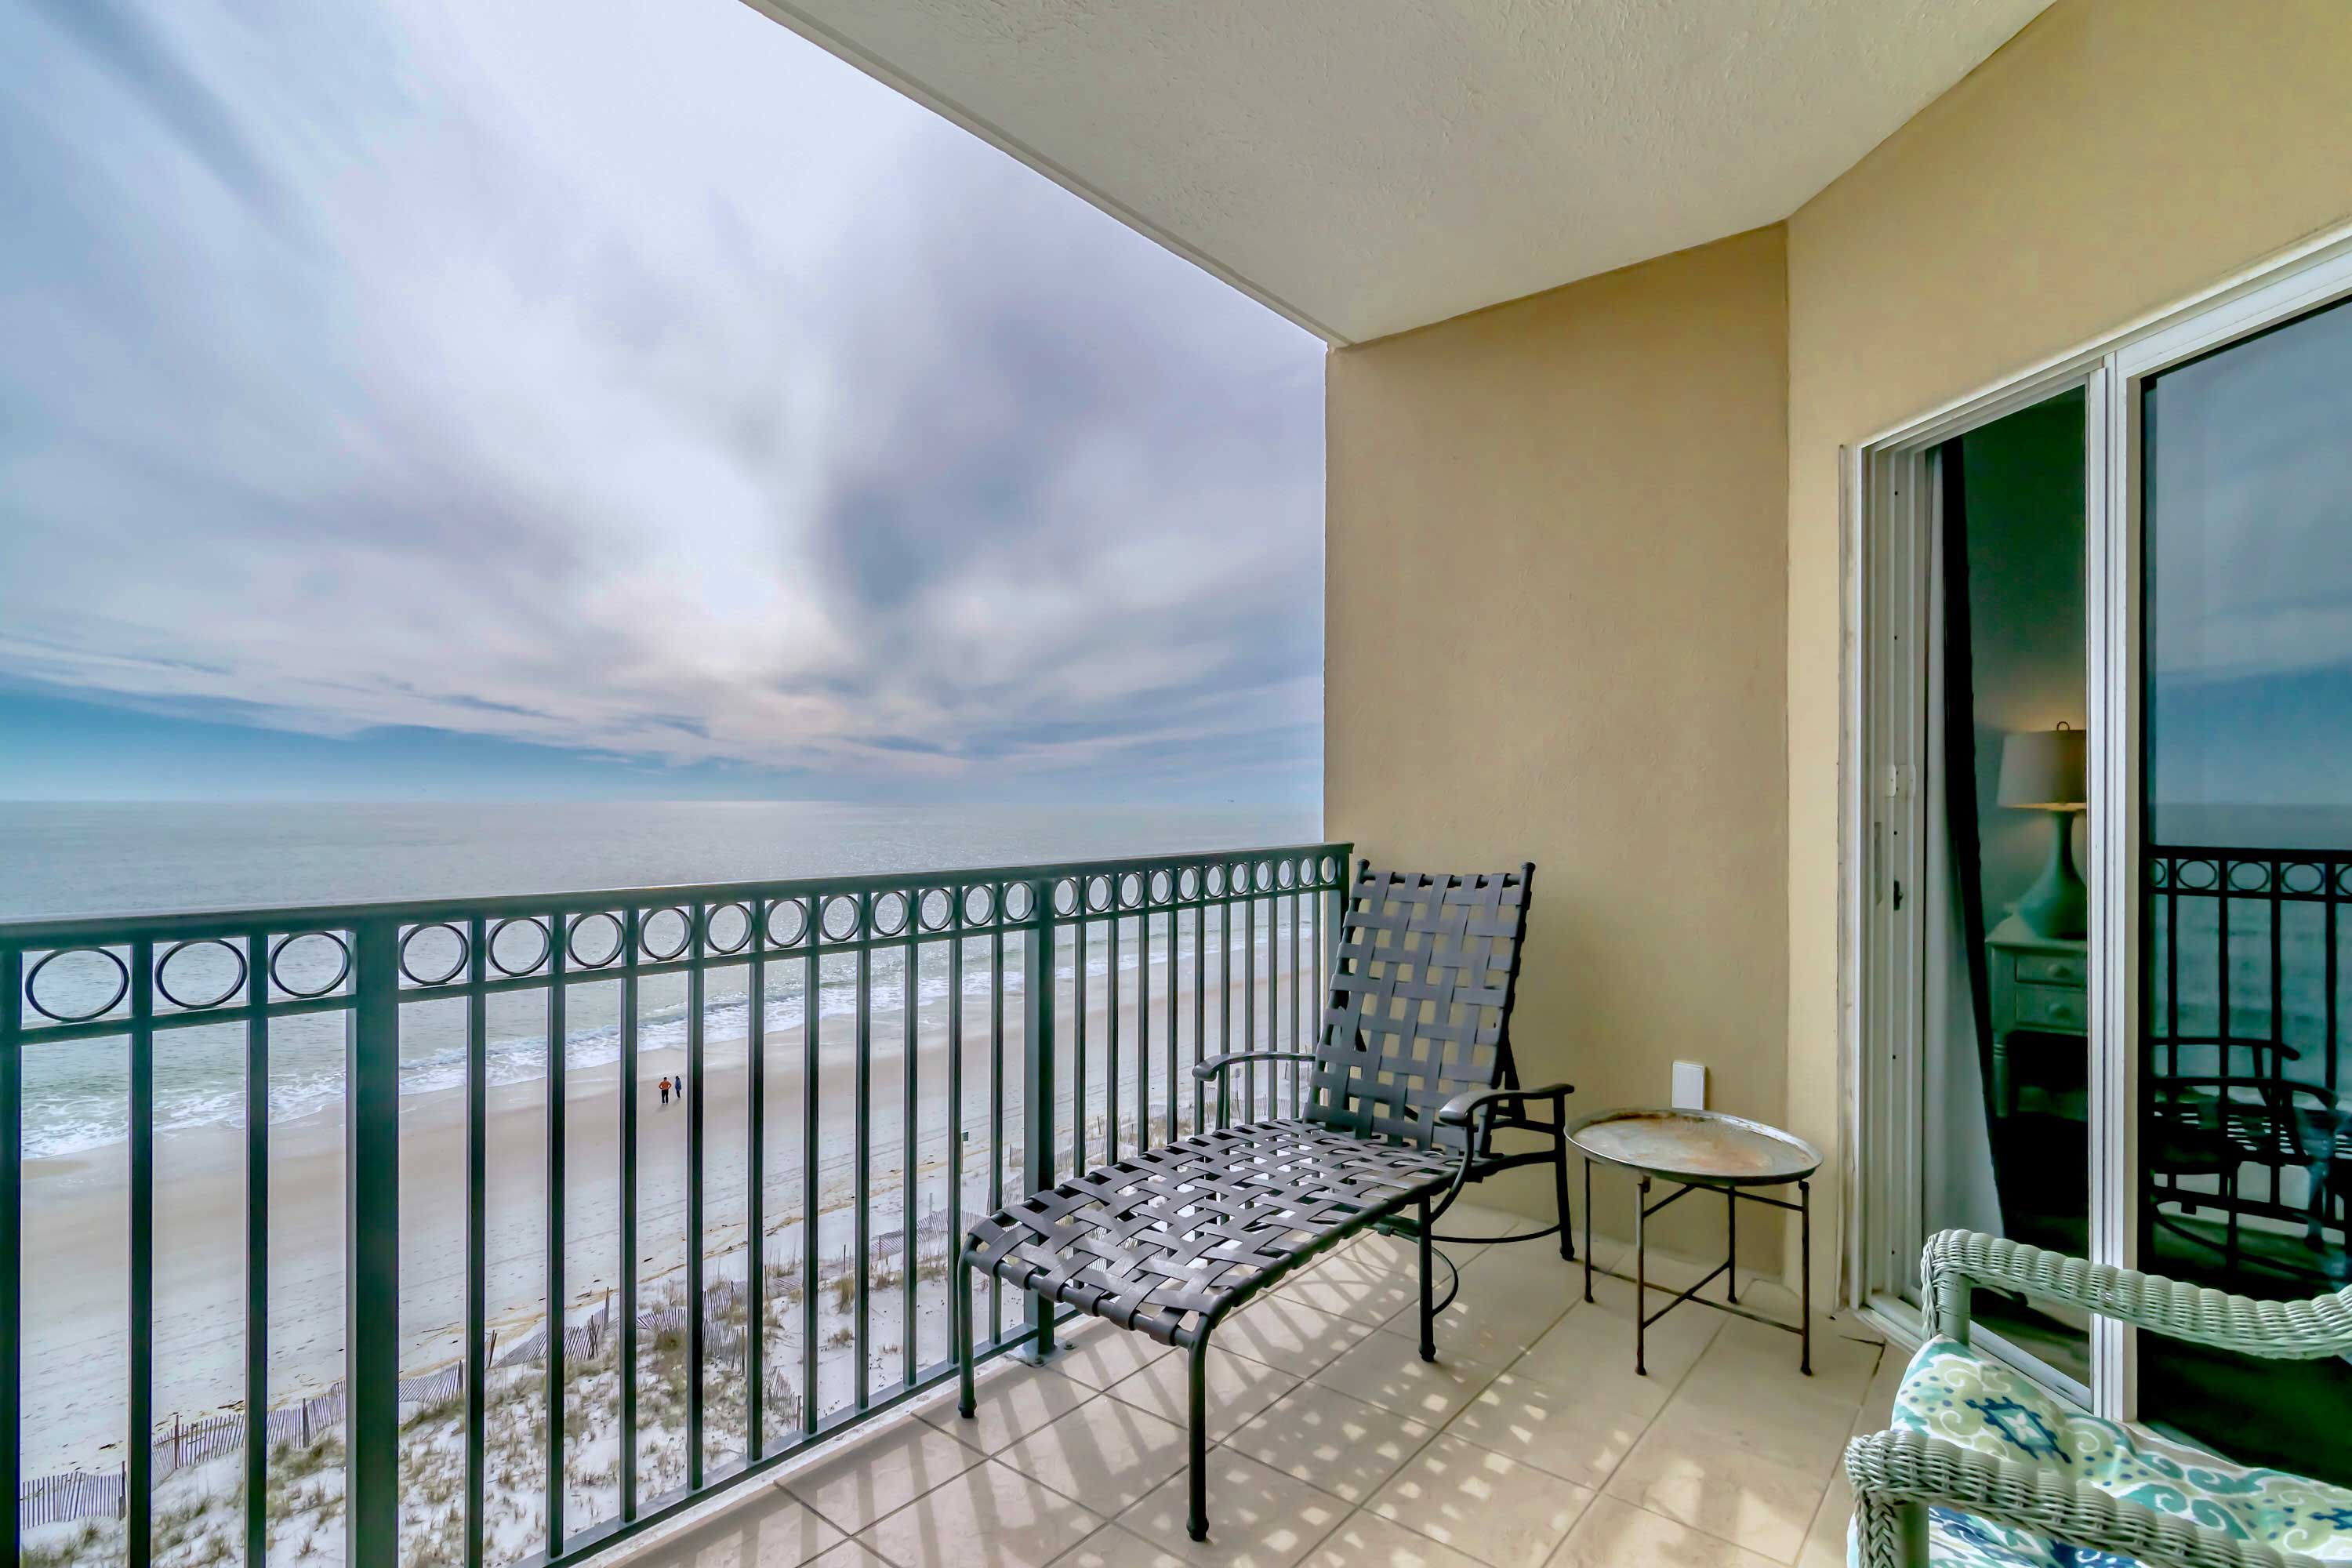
(1954, 1396)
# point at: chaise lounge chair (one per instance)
(1411, 1075)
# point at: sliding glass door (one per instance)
(2245, 941)
(2102, 797)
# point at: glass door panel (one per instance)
(2004, 1096)
(2245, 1133)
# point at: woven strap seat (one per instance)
(1159, 1242)
(1409, 1076)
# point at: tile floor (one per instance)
(1528, 1443)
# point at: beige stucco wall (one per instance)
(1555, 632)
(2114, 157)
(1564, 595)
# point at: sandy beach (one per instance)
(75, 1207)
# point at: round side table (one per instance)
(1696, 1149)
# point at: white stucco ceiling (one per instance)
(1368, 165)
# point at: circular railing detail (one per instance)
(656, 944)
(793, 916)
(890, 913)
(978, 904)
(287, 943)
(934, 908)
(408, 959)
(121, 985)
(1020, 902)
(839, 918)
(618, 933)
(531, 924)
(164, 972)
(727, 929)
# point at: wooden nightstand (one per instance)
(2038, 982)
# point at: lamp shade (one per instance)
(2045, 768)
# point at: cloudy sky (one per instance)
(2250, 562)
(427, 398)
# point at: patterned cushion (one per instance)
(1952, 1394)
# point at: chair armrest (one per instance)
(2286, 1331)
(1896, 1476)
(1212, 1066)
(1455, 1113)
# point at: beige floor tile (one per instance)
(1288, 1334)
(1825, 1542)
(1366, 1540)
(1012, 1404)
(1100, 1353)
(849, 1555)
(1579, 1435)
(1400, 1254)
(991, 1515)
(1688, 1470)
(1238, 1389)
(1779, 1413)
(767, 1530)
(1106, 1453)
(1328, 1440)
(1877, 1411)
(1113, 1546)
(1258, 1517)
(1388, 1372)
(1608, 1251)
(879, 1473)
(1364, 1288)
(1598, 1337)
(1483, 1219)
(1614, 1534)
(1757, 1360)
(1497, 1510)
(1533, 1268)
(1504, 1305)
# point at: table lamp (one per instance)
(2043, 769)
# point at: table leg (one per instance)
(1805, 1267)
(1640, 1279)
(1730, 1244)
(1587, 1228)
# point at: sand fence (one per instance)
(81, 1494)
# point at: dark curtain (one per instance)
(1960, 721)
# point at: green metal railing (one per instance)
(1023, 936)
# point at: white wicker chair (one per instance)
(1921, 1496)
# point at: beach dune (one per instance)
(74, 1350)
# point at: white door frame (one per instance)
(1881, 481)
(1902, 506)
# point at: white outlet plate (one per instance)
(1690, 1086)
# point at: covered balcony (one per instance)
(1649, 326)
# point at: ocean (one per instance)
(60, 859)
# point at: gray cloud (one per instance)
(631, 378)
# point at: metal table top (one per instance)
(1704, 1148)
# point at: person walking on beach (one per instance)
(664, 1091)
